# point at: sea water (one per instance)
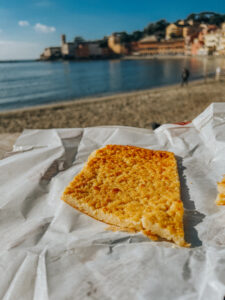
(31, 83)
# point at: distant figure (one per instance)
(185, 76)
(218, 71)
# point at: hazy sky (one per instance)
(28, 26)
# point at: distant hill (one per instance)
(207, 18)
(158, 28)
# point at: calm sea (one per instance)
(25, 84)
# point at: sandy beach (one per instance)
(139, 109)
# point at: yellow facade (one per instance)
(223, 27)
(115, 45)
(175, 30)
(51, 52)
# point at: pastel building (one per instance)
(196, 43)
(163, 47)
(212, 40)
(51, 53)
(114, 43)
(221, 46)
(173, 30)
(208, 41)
(92, 49)
(223, 28)
(67, 49)
(82, 50)
(182, 29)
(197, 47)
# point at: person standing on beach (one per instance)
(185, 76)
(218, 71)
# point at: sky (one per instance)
(29, 26)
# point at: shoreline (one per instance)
(125, 57)
(167, 104)
(176, 56)
(93, 99)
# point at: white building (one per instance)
(67, 49)
(51, 53)
(221, 46)
(212, 40)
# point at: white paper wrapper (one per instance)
(48, 250)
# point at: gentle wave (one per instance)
(33, 83)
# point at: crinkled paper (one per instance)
(48, 250)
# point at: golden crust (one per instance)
(220, 200)
(131, 188)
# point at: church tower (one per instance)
(63, 39)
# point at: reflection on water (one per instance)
(32, 83)
(114, 74)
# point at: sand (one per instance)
(139, 109)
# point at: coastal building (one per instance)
(163, 47)
(194, 43)
(79, 49)
(67, 49)
(82, 51)
(223, 28)
(202, 51)
(191, 41)
(197, 47)
(149, 38)
(205, 40)
(185, 28)
(134, 50)
(92, 49)
(134, 47)
(203, 28)
(173, 30)
(51, 53)
(212, 40)
(221, 46)
(114, 43)
(191, 30)
(107, 53)
(182, 29)
(191, 22)
(183, 37)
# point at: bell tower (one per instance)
(63, 39)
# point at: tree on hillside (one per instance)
(157, 28)
(104, 42)
(191, 17)
(217, 19)
(136, 35)
(79, 40)
(161, 25)
(207, 17)
(203, 18)
(125, 37)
